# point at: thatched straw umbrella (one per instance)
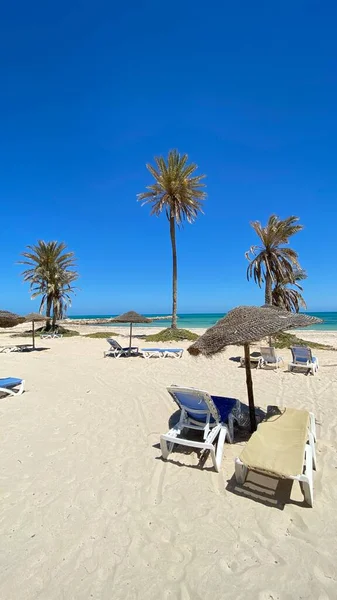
(244, 325)
(8, 319)
(131, 317)
(35, 318)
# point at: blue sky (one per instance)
(91, 91)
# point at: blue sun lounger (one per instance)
(212, 415)
(302, 358)
(8, 385)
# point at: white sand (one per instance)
(89, 509)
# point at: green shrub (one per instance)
(100, 334)
(61, 330)
(172, 335)
(285, 340)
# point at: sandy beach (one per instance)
(90, 510)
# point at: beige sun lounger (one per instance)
(283, 446)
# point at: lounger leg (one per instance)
(217, 457)
(230, 428)
(21, 388)
(313, 449)
(240, 471)
(307, 479)
(166, 448)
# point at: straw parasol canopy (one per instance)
(9, 319)
(244, 325)
(131, 317)
(35, 318)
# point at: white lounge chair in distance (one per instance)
(116, 350)
(200, 412)
(161, 352)
(12, 386)
(269, 357)
(51, 336)
(302, 358)
(283, 446)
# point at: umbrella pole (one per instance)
(33, 335)
(130, 338)
(249, 382)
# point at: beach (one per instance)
(90, 510)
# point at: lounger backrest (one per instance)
(197, 403)
(268, 354)
(115, 345)
(301, 354)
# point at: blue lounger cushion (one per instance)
(300, 359)
(224, 406)
(9, 382)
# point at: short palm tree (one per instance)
(180, 196)
(273, 261)
(51, 276)
(287, 297)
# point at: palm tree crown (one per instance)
(285, 296)
(174, 190)
(179, 194)
(50, 276)
(272, 262)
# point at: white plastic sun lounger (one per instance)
(211, 415)
(161, 352)
(269, 357)
(51, 336)
(9, 385)
(284, 447)
(116, 350)
(302, 358)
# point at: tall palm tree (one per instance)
(51, 276)
(180, 196)
(273, 262)
(287, 297)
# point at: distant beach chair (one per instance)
(8, 386)
(161, 352)
(269, 357)
(212, 415)
(7, 349)
(302, 358)
(284, 447)
(53, 335)
(116, 350)
(255, 360)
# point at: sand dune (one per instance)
(89, 509)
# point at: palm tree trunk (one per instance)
(48, 312)
(54, 320)
(268, 297)
(174, 271)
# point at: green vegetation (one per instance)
(273, 262)
(49, 276)
(285, 340)
(100, 334)
(179, 196)
(41, 330)
(288, 297)
(172, 335)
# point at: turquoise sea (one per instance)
(205, 320)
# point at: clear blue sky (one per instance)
(91, 91)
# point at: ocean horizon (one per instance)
(205, 320)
